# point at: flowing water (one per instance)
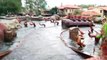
(39, 43)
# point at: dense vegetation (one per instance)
(54, 10)
(86, 6)
(35, 5)
(10, 6)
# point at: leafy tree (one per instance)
(77, 12)
(35, 5)
(85, 6)
(10, 6)
(54, 10)
(40, 3)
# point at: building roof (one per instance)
(104, 7)
(89, 13)
(90, 8)
(69, 7)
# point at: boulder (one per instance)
(6, 34)
(2, 28)
(9, 35)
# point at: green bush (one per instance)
(10, 6)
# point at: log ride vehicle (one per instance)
(74, 40)
(101, 48)
(76, 35)
(76, 21)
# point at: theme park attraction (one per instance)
(12, 25)
(8, 32)
(81, 21)
(75, 38)
(90, 44)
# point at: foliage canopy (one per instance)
(10, 6)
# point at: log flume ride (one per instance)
(100, 42)
(66, 23)
(85, 56)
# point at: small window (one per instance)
(100, 11)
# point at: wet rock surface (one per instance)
(41, 43)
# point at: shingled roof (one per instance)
(89, 13)
(69, 7)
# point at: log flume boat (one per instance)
(99, 44)
(83, 55)
(67, 23)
